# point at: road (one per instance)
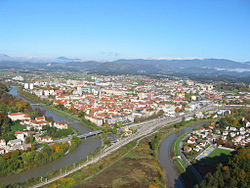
(190, 166)
(142, 129)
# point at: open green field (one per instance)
(181, 165)
(218, 152)
(215, 157)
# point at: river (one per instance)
(164, 156)
(82, 151)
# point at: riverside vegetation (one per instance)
(131, 166)
(18, 161)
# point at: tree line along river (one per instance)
(81, 152)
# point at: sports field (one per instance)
(218, 152)
(216, 156)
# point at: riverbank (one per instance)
(118, 169)
(165, 153)
(187, 172)
(64, 163)
(73, 117)
(132, 165)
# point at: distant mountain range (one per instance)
(194, 67)
(6, 58)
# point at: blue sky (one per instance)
(113, 29)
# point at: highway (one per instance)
(142, 129)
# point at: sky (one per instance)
(115, 29)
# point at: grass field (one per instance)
(181, 165)
(216, 156)
(17, 127)
(138, 168)
(131, 155)
(218, 152)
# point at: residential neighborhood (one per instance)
(34, 128)
(121, 99)
(217, 134)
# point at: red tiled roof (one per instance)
(17, 114)
(18, 132)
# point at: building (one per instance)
(1, 151)
(26, 86)
(19, 116)
(44, 139)
(20, 135)
(2, 143)
(15, 142)
(18, 78)
(31, 86)
(40, 119)
(61, 125)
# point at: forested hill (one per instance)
(236, 173)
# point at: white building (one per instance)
(26, 86)
(19, 116)
(2, 143)
(1, 151)
(18, 78)
(15, 142)
(20, 135)
(31, 86)
(61, 125)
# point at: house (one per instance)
(95, 120)
(203, 144)
(248, 124)
(225, 133)
(197, 148)
(232, 134)
(44, 139)
(15, 142)
(188, 109)
(38, 125)
(20, 135)
(191, 141)
(2, 151)
(25, 122)
(242, 130)
(19, 116)
(60, 125)
(202, 129)
(2, 143)
(39, 119)
(187, 149)
(233, 129)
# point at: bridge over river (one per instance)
(82, 136)
(89, 134)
